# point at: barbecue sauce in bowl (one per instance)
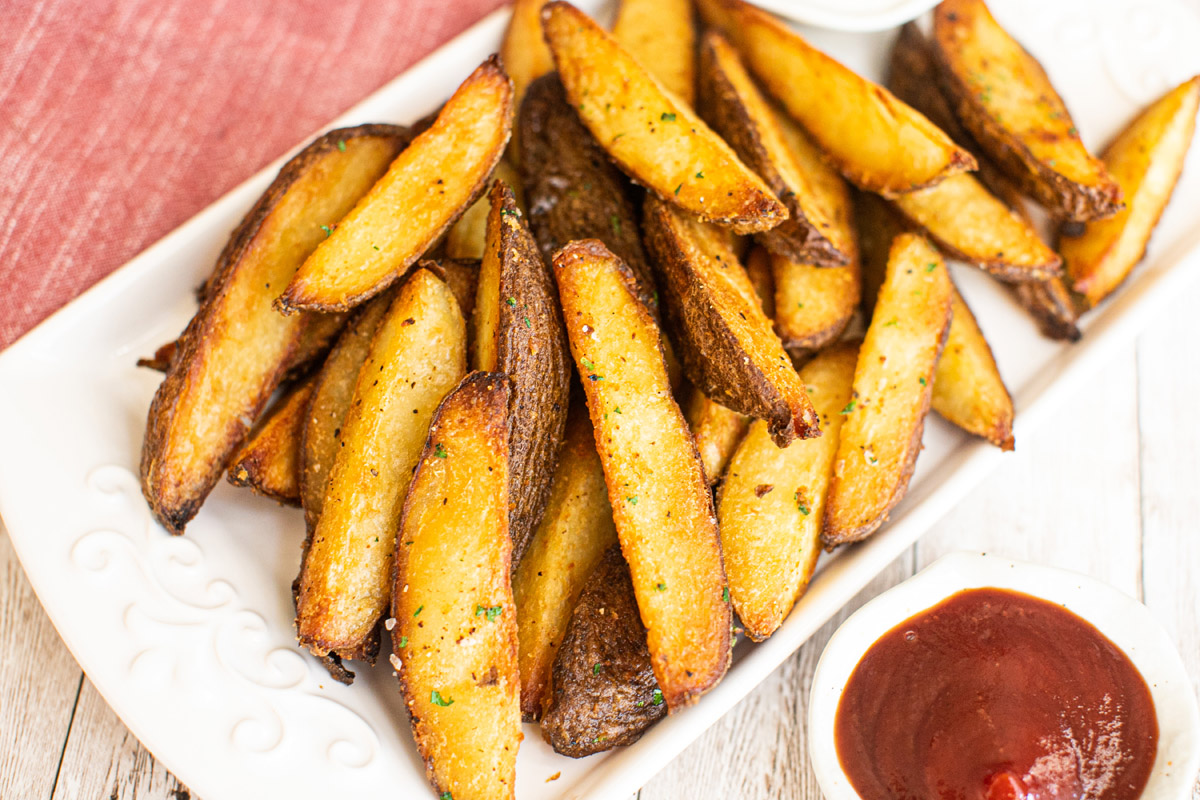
(996, 695)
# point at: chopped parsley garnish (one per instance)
(328, 230)
(931, 266)
(922, 380)
(657, 699)
(587, 364)
(616, 409)
(491, 612)
(439, 450)
(595, 377)
(510, 212)
(891, 322)
(632, 500)
(527, 325)
(725, 594)
(667, 117)
(438, 700)
(512, 301)
(342, 145)
(419, 610)
(660, 587)
(700, 174)
(849, 407)
(615, 221)
(677, 188)
(403, 641)
(596, 668)
(447, 796)
(800, 505)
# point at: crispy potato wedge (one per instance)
(662, 507)
(737, 110)
(236, 349)
(967, 388)
(605, 695)
(653, 136)
(164, 354)
(269, 461)
(467, 238)
(332, 394)
(524, 52)
(725, 341)
(969, 224)
(417, 355)
(462, 276)
(661, 34)
(772, 501)
(1146, 159)
(874, 139)
(455, 636)
(1052, 306)
(716, 429)
(893, 384)
(518, 330)
(758, 270)
(426, 189)
(569, 541)
(1004, 98)
(573, 190)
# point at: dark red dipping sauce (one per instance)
(996, 695)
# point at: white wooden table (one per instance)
(1110, 487)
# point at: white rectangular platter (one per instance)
(191, 640)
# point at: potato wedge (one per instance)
(417, 355)
(725, 341)
(654, 137)
(569, 541)
(467, 238)
(426, 189)
(1004, 98)
(524, 52)
(1146, 159)
(661, 34)
(518, 330)
(455, 636)
(573, 190)
(758, 270)
(874, 139)
(737, 110)
(164, 354)
(1052, 307)
(969, 224)
(269, 461)
(236, 349)
(772, 502)
(462, 276)
(716, 429)
(662, 507)
(893, 385)
(605, 695)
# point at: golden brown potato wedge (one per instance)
(758, 270)
(661, 34)
(969, 224)
(417, 355)
(524, 52)
(467, 238)
(426, 189)
(462, 276)
(877, 141)
(1004, 98)
(661, 503)
(725, 341)
(518, 330)
(569, 541)
(893, 384)
(716, 429)
(236, 349)
(772, 501)
(737, 110)
(455, 636)
(605, 695)
(651, 135)
(1146, 159)
(1052, 307)
(269, 461)
(573, 190)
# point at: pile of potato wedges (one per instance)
(575, 378)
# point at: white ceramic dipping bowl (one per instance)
(1126, 622)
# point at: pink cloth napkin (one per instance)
(120, 119)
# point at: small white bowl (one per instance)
(1126, 622)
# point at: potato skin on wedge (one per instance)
(651, 135)
(518, 330)
(455, 636)
(661, 34)
(725, 341)
(876, 141)
(1005, 99)
(661, 503)
(573, 534)
(417, 355)
(772, 501)
(893, 384)
(1146, 159)
(716, 429)
(237, 349)
(605, 695)
(736, 109)
(573, 190)
(426, 189)
(269, 461)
